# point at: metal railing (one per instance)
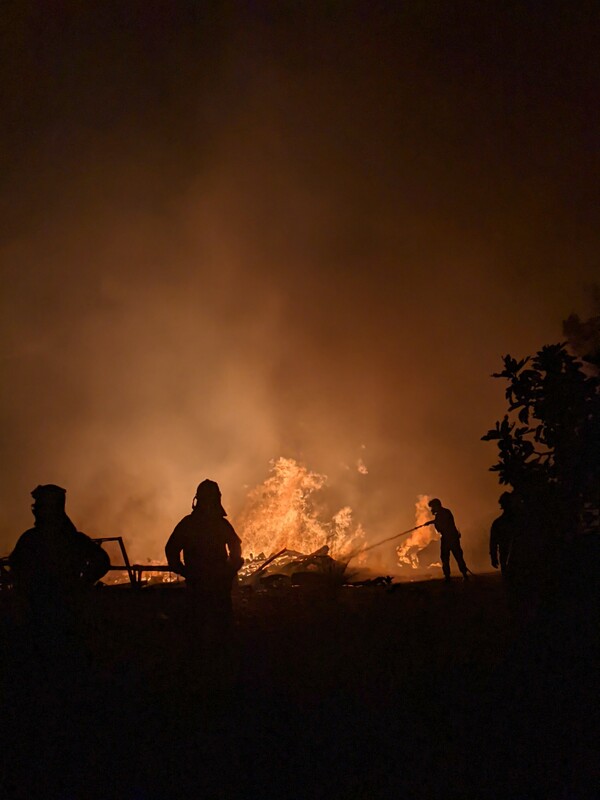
(135, 572)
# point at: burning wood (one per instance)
(282, 512)
(287, 565)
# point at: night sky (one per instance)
(234, 231)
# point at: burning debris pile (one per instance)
(283, 518)
(283, 513)
(291, 568)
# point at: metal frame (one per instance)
(135, 571)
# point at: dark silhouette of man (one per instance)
(502, 534)
(446, 527)
(52, 567)
(212, 554)
(54, 560)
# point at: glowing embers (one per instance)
(159, 576)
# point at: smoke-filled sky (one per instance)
(237, 231)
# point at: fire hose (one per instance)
(389, 539)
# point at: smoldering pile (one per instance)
(292, 568)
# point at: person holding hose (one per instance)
(450, 543)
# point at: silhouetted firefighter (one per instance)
(212, 555)
(52, 566)
(446, 527)
(502, 534)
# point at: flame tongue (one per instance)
(281, 512)
(408, 551)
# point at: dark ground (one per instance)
(428, 691)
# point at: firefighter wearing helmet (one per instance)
(205, 549)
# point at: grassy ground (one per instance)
(426, 691)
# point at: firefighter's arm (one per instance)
(234, 546)
(173, 550)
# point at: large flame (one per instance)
(408, 551)
(282, 513)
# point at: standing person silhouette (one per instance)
(502, 534)
(212, 556)
(450, 543)
(52, 567)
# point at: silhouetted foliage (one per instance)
(549, 441)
